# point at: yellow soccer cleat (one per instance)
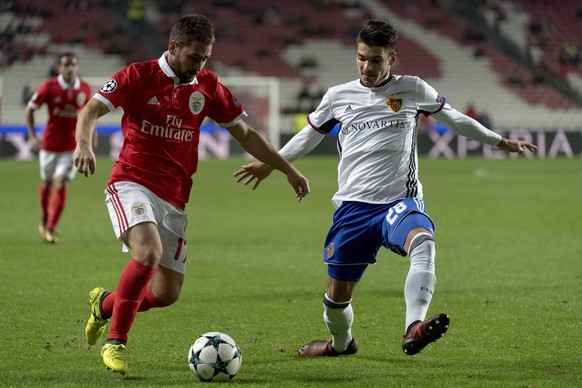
(114, 357)
(95, 324)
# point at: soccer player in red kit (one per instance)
(64, 95)
(164, 103)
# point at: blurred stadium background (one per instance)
(513, 64)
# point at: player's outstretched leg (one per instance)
(323, 348)
(96, 323)
(114, 357)
(419, 334)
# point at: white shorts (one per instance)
(56, 164)
(130, 204)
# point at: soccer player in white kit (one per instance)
(164, 103)
(379, 201)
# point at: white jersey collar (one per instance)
(165, 66)
(65, 85)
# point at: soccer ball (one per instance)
(214, 356)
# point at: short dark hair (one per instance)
(192, 27)
(378, 33)
(66, 54)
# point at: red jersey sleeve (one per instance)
(39, 96)
(117, 88)
(226, 109)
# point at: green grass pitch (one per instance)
(509, 251)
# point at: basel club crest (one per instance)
(395, 104)
(329, 250)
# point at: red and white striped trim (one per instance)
(119, 211)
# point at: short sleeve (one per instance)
(226, 108)
(39, 97)
(115, 90)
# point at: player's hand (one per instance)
(299, 183)
(255, 171)
(514, 145)
(35, 144)
(84, 159)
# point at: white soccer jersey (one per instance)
(377, 136)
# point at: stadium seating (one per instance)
(312, 43)
(478, 73)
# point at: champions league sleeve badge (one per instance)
(109, 87)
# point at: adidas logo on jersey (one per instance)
(154, 101)
(348, 109)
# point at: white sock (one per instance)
(421, 279)
(338, 318)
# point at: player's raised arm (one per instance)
(258, 147)
(84, 157)
(464, 125)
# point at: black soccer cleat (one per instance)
(420, 334)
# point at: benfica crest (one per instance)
(138, 208)
(395, 104)
(196, 102)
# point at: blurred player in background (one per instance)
(64, 96)
(379, 198)
(164, 103)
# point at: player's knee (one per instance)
(411, 225)
(419, 238)
(148, 254)
(416, 236)
(422, 252)
(170, 299)
(60, 182)
(169, 295)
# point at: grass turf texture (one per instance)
(508, 268)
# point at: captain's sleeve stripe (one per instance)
(326, 128)
(440, 99)
(443, 102)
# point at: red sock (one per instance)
(107, 305)
(45, 196)
(149, 301)
(131, 289)
(57, 206)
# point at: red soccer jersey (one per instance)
(64, 103)
(161, 124)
